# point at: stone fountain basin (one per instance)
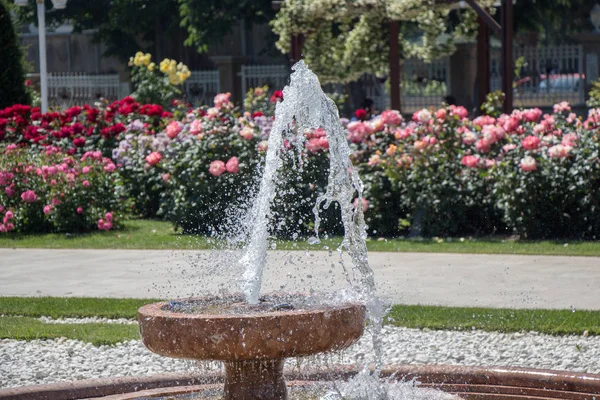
(258, 336)
(472, 383)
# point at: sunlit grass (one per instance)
(20, 313)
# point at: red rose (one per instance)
(79, 142)
(257, 114)
(361, 114)
(276, 97)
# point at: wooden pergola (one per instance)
(486, 24)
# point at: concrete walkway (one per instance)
(409, 278)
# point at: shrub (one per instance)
(51, 192)
(12, 75)
(154, 86)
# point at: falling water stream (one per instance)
(305, 108)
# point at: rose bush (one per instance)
(50, 191)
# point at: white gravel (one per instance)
(47, 361)
(88, 320)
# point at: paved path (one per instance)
(410, 278)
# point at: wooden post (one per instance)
(507, 56)
(394, 60)
(297, 41)
(483, 61)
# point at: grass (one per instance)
(149, 234)
(19, 319)
(27, 328)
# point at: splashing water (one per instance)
(306, 107)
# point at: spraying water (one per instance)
(306, 107)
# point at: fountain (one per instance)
(252, 340)
(252, 334)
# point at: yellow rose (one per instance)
(164, 65)
(151, 67)
(146, 58)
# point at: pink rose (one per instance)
(222, 99)
(212, 113)
(511, 124)
(420, 145)
(374, 160)
(570, 140)
(459, 111)
(3, 228)
(196, 127)
(79, 210)
(468, 138)
(484, 120)
(10, 227)
(263, 146)
(509, 147)
(85, 170)
(562, 107)
(391, 117)
(104, 226)
(29, 196)
(531, 143)
(47, 209)
(10, 192)
(376, 125)
(86, 183)
(174, 128)
(528, 164)
(559, 151)
(9, 215)
(217, 168)
(232, 166)
(109, 217)
(247, 133)
(470, 161)
(441, 114)
(532, 114)
(110, 168)
(482, 147)
(166, 177)
(153, 158)
(423, 116)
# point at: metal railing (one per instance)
(275, 76)
(549, 75)
(202, 86)
(70, 89)
(423, 85)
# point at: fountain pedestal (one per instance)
(254, 380)
(252, 344)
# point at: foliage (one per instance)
(208, 21)
(154, 86)
(125, 26)
(594, 95)
(345, 39)
(12, 75)
(492, 105)
(540, 174)
(52, 192)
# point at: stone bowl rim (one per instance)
(156, 310)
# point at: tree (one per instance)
(345, 38)
(127, 26)
(12, 73)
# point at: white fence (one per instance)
(276, 76)
(549, 75)
(202, 86)
(69, 89)
(423, 85)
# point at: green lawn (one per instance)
(19, 320)
(147, 234)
